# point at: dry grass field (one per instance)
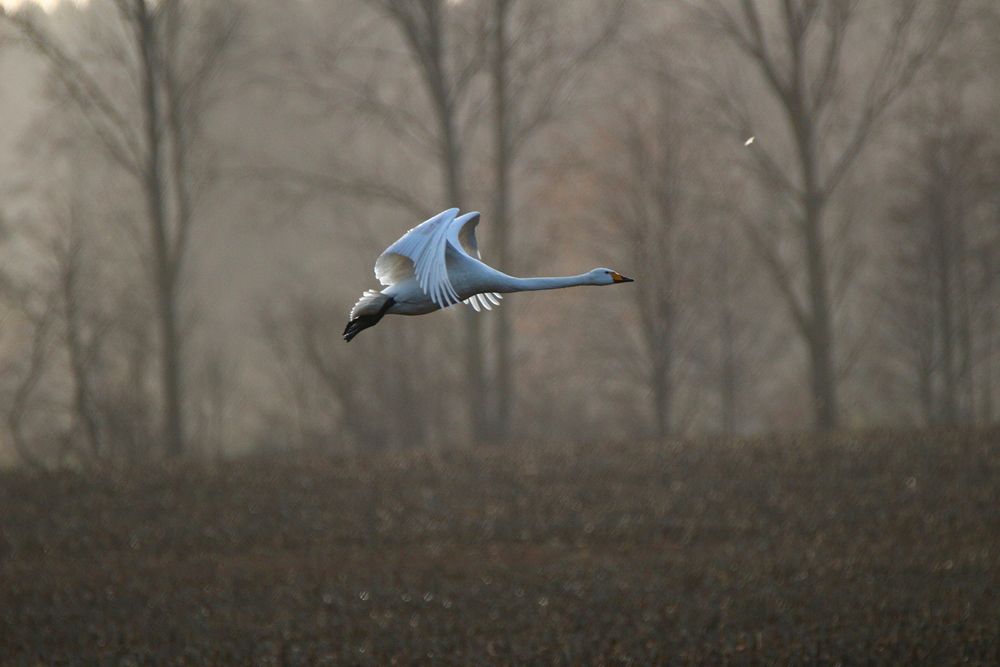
(873, 549)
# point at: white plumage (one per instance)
(437, 264)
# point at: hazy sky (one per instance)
(47, 4)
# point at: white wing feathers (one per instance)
(483, 300)
(463, 237)
(424, 247)
(463, 234)
(421, 253)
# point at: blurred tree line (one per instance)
(195, 191)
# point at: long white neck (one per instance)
(514, 284)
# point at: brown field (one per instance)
(882, 548)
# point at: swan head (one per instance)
(602, 276)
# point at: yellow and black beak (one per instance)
(619, 278)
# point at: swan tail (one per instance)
(367, 312)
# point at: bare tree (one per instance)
(446, 73)
(340, 398)
(172, 87)
(214, 391)
(652, 217)
(81, 345)
(39, 314)
(800, 48)
(729, 289)
(641, 168)
(531, 83)
(944, 262)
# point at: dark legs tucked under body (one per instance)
(359, 324)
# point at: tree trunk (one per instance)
(964, 324)
(728, 371)
(500, 429)
(164, 275)
(820, 339)
(662, 394)
(990, 299)
(987, 373)
(946, 319)
(431, 54)
(727, 390)
(82, 404)
(925, 392)
(475, 388)
(659, 333)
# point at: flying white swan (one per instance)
(437, 264)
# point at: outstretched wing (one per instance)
(421, 253)
(462, 236)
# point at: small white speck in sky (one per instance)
(749, 141)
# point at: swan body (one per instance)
(437, 264)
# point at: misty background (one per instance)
(194, 193)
